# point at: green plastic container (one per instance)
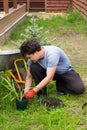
(21, 105)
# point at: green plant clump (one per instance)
(9, 84)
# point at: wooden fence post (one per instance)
(14, 3)
(28, 5)
(20, 2)
(6, 5)
(45, 5)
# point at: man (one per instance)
(47, 63)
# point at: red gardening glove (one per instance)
(30, 94)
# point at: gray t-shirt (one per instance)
(54, 56)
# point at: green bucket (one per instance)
(21, 105)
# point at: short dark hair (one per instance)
(29, 47)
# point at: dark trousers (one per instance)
(69, 82)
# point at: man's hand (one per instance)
(30, 94)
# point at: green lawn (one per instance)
(70, 31)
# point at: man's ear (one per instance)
(36, 53)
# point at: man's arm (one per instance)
(28, 81)
(49, 76)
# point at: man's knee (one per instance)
(80, 89)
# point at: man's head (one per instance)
(30, 49)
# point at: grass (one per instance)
(59, 25)
(70, 31)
